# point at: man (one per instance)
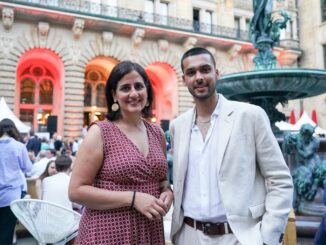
(34, 143)
(55, 187)
(231, 183)
(39, 167)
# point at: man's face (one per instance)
(200, 76)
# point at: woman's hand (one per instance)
(167, 197)
(150, 206)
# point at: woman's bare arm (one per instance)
(88, 162)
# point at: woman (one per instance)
(13, 160)
(49, 171)
(120, 169)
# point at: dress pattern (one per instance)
(125, 168)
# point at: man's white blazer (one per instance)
(254, 181)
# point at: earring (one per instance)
(115, 106)
(147, 104)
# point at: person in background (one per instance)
(51, 142)
(75, 146)
(120, 170)
(67, 145)
(58, 145)
(31, 156)
(320, 236)
(34, 143)
(55, 187)
(40, 166)
(84, 131)
(49, 171)
(45, 144)
(13, 160)
(231, 183)
(169, 157)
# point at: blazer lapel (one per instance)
(225, 123)
(185, 139)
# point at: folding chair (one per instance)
(47, 222)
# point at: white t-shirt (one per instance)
(55, 189)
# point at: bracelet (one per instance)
(133, 200)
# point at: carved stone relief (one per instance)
(137, 37)
(78, 28)
(43, 32)
(163, 45)
(190, 43)
(7, 17)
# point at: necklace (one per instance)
(197, 121)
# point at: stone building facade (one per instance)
(55, 56)
(312, 33)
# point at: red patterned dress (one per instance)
(125, 168)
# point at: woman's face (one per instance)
(51, 169)
(131, 93)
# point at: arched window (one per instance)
(27, 91)
(46, 92)
(94, 92)
(36, 95)
(100, 95)
(96, 75)
(39, 85)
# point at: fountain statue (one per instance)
(265, 32)
(309, 172)
(267, 86)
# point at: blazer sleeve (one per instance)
(278, 180)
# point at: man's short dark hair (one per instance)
(196, 51)
(63, 163)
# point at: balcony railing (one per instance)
(91, 8)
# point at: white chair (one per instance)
(47, 222)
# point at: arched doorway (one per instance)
(39, 88)
(164, 80)
(96, 75)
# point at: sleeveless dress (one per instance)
(125, 168)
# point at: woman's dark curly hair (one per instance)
(117, 73)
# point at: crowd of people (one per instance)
(45, 162)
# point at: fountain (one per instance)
(267, 86)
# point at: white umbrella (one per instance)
(304, 119)
(5, 112)
(284, 126)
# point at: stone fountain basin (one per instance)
(288, 84)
